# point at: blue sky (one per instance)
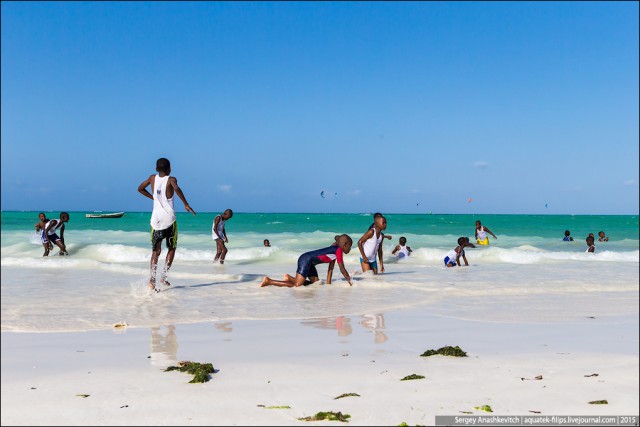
(396, 107)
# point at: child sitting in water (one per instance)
(307, 265)
(567, 237)
(402, 249)
(590, 243)
(453, 258)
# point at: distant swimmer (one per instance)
(307, 274)
(590, 243)
(402, 249)
(219, 234)
(266, 243)
(49, 234)
(481, 234)
(453, 257)
(602, 237)
(567, 236)
(163, 218)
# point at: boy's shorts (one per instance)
(170, 234)
(448, 261)
(52, 237)
(373, 264)
(305, 266)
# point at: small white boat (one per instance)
(106, 215)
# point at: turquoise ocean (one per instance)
(104, 278)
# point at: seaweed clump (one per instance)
(485, 408)
(200, 371)
(446, 351)
(328, 416)
(412, 377)
(599, 402)
(346, 395)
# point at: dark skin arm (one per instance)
(173, 186)
(342, 270)
(396, 249)
(142, 188)
(363, 239)
(380, 256)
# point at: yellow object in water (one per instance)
(484, 242)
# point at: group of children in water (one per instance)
(370, 248)
(591, 247)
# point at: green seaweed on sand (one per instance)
(598, 402)
(328, 416)
(346, 395)
(200, 371)
(446, 351)
(485, 408)
(278, 407)
(412, 377)
(83, 395)
(404, 424)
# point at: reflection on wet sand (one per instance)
(375, 322)
(164, 347)
(372, 322)
(224, 327)
(341, 323)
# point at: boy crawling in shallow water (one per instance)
(307, 273)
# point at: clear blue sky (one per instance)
(397, 107)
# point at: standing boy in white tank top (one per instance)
(370, 245)
(163, 218)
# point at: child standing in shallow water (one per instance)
(307, 265)
(219, 234)
(590, 243)
(370, 244)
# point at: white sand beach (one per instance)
(272, 372)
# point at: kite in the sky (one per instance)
(469, 201)
(322, 194)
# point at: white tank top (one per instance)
(370, 247)
(481, 233)
(403, 250)
(55, 228)
(220, 228)
(163, 215)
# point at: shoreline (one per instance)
(304, 364)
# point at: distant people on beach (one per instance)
(401, 248)
(307, 274)
(453, 257)
(164, 225)
(602, 237)
(39, 226)
(590, 243)
(266, 243)
(481, 234)
(219, 234)
(49, 234)
(567, 236)
(370, 245)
